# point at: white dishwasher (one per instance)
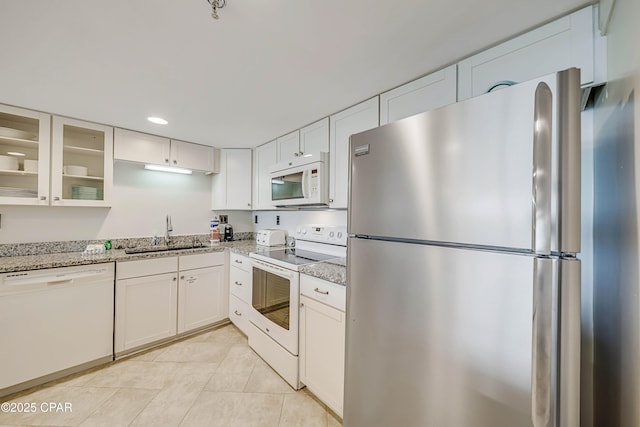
(53, 320)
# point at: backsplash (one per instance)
(21, 249)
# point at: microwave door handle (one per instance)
(305, 183)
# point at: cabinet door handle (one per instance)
(296, 154)
(57, 199)
(300, 153)
(238, 261)
(238, 283)
(330, 200)
(181, 277)
(175, 162)
(43, 197)
(174, 279)
(166, 160)
(237, 313)
(321, 292)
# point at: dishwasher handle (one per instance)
(51, 277)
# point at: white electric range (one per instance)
(276, 293)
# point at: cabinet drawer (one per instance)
(146, 267)
(240, 261)
(189, 262)
(239, 313)
(329, 293)
(240, 283)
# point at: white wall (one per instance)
(141, 200)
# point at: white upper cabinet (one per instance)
(315, 137)
(310, 139)
(144, 148)
(81, 163)
(232, 186)
(193, 156)
(264, 157)
(360, 117)
(25, 149)
(288, 146)
(424, 94)
(564, 43)
(141, 147)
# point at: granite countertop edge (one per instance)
(14, 264)
(327, 270)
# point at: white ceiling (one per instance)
(265, 68)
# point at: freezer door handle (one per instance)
(544, 349)
(542, 135)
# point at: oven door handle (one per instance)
(278, 271)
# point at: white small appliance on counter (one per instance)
(271, 237)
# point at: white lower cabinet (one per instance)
(201, 291)
(322, 339)
(240, 279)
(146, 302)
(160, 297)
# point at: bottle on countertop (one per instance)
(214, 231)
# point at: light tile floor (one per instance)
(212, 379)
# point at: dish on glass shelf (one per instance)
(16, 133)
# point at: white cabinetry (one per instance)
(146, 302)
(310, 139)
(358, 118)
(144, 148)
(322, 339)
(264, 157)
(232, 186)
(90, 146)
(202, 296)
(424, 94)
(288, 146)
(564, 43)
(240, 280)
(24, 136)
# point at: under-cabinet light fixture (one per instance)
(159, 168)
(157, 120)
(15, 153)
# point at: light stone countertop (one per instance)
(331, 271)
(334, 270)
(10, 264)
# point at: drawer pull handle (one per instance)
(238, 283)
(238, 261)
(321, 292)
(237, 313)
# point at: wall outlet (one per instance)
(277, 219)
(224, 219)
(255, 219)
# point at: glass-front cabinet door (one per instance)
(81, 163)
(24, 156)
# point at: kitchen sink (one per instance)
(147, 249)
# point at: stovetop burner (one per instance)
(292, 256)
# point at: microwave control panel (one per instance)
(313, 183)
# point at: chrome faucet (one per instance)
(167, 235)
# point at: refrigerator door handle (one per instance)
(542, 165)
(544, 348)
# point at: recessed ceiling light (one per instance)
(157, 120)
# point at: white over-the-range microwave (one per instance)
(303, 181)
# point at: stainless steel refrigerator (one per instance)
(463, 297)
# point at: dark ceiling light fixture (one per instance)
(215, 5)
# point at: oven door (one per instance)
(275, 296)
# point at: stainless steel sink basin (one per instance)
(147, 249)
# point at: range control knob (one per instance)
(331, 234)
(304, 231)
(339, 234)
